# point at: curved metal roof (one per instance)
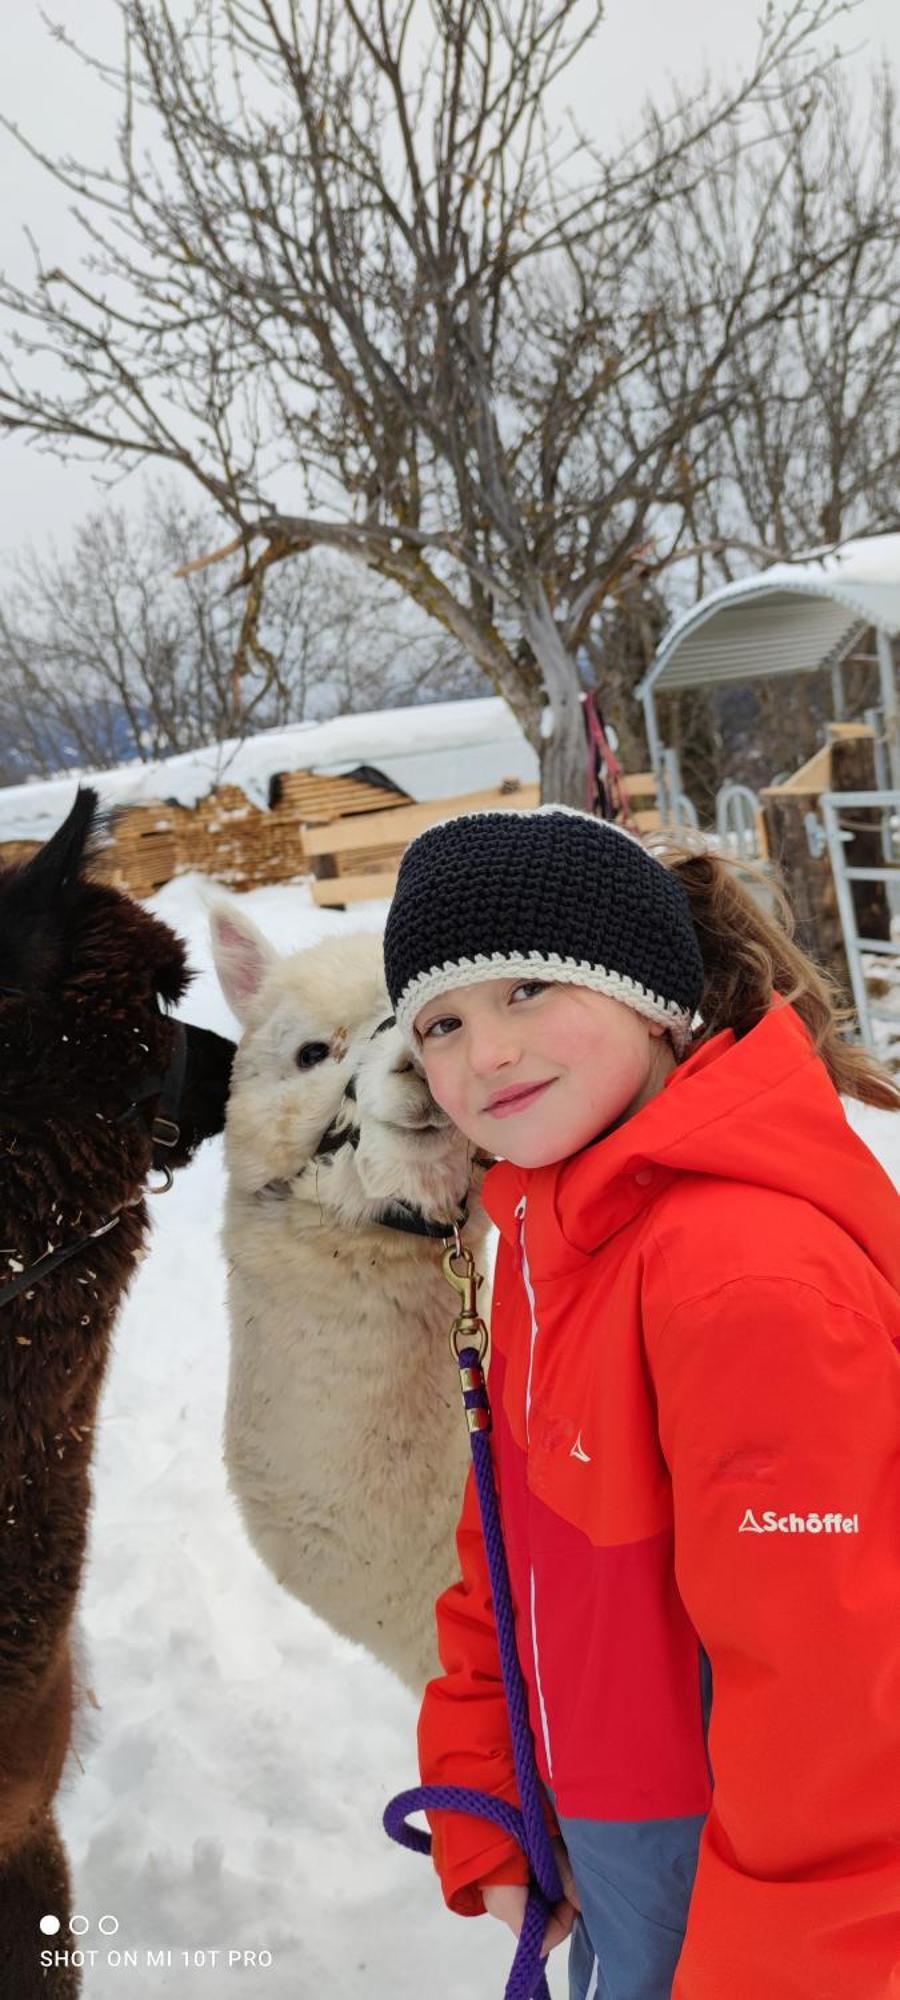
(792, 618)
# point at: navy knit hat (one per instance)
(551, 894)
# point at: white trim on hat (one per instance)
(549, 965)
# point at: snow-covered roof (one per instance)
(432, 751)
(792, 618)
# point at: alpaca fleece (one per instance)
(84, 977)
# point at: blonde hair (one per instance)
(749, 957)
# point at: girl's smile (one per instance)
(516, 1100)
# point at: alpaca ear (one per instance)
(242, 956)
(53, 872)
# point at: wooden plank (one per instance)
(402, 823)
(353, 889)
(814, 776)
(369, 861)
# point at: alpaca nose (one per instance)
(408, 1064)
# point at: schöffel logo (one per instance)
(799, 1524)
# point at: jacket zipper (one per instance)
(526, 1274)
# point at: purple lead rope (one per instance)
(527, 1979)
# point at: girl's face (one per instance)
(597, 1060)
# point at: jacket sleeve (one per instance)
(779, 1418)
(464, 1733)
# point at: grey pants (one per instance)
(584, 1971)
(634, 1882)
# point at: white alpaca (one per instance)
(345, 1441)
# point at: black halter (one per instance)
(397, 1214)
(164, 1132)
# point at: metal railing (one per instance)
(737, 821)
(884, 951)
(675, 806)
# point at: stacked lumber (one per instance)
(143, 847)
(225, 836)
(14, 851)
(310, 796)
(236, 842)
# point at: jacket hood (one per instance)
(761, 1110)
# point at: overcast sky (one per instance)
(42, 88)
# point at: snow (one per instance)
(432, 751)
(235, 1772)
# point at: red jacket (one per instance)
(695, 1379)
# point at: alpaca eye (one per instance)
(311, 1053)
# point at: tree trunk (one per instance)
(563, 746)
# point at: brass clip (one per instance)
(468, 1329)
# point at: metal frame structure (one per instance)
(796, 617)
(888, 802)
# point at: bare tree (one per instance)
(381, 278)
(104, 656)
(807, 450)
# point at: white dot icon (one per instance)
(79, 1925)
(109, 1926)
(49, 1926)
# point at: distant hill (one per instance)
(48, 746)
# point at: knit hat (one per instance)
(551, 894)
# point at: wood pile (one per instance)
(14, 851)
(143, 848)
(308, 797)
(225, 836)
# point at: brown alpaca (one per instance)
(85, 975)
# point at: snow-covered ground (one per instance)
(235, 1770)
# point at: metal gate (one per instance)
(870, 959)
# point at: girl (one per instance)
(695, 1380)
